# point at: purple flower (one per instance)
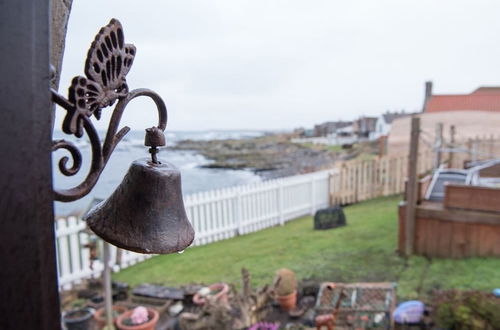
(139, 315)
(265, 326)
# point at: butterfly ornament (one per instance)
(104, 84)
(108, 61)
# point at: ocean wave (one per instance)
(190, 165)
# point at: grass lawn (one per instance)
(364, 250)
(333, 148)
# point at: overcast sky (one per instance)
(264, 64)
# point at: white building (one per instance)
(384, 122)
(344, 135)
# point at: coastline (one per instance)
(204, 159)
(269, 156)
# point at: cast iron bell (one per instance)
(146, 212)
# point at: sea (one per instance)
(194, 177)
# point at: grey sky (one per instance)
(263, 64)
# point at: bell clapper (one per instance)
(153, 151)
(154, 139)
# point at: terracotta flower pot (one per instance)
(100, 315)
(288, 302)
(220, 294)
(149, 325)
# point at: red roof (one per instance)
(487, 91)
(483, 98)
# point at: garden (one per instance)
(363, 251)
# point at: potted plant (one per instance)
(78, 319)
(285, 289)
(216, 292)
(139, 318)
(100, 315)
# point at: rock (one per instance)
(270, 156)
(158, 292)
(175, 309)
(332, 217)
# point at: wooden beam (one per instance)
(452, 146)
(472, 198)
(423, 186)
(434, 210)
(438, 145)
(28, 285)
(401, 227)
(412, 191)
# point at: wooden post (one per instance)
(412, 188)
(356, 182)
(28, 285)
(475, 149)
(385, 175)
(452, 146)
(469, 150)
(438, 144)
(108, 296)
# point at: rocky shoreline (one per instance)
(270, 156)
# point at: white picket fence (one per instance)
(215, 215)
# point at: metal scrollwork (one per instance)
(108, 61)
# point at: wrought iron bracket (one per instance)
(108, 61)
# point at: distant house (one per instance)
(308, 132)
(342, 136)
(474, 114)
(482, 99)
(298, 132)
(329, 127)
(364, 127)
(384, 122)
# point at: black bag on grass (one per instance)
(331, 217)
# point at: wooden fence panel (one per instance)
(453, 239)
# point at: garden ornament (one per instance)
(329, 320)
(146, 212)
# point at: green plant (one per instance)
(285, 282)
(78, 303)
(466, 310)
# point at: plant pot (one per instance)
(149, 325)
(100, 315)
(288, 302)
(218, 293)
(77, 320)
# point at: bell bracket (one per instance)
(108, 61)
